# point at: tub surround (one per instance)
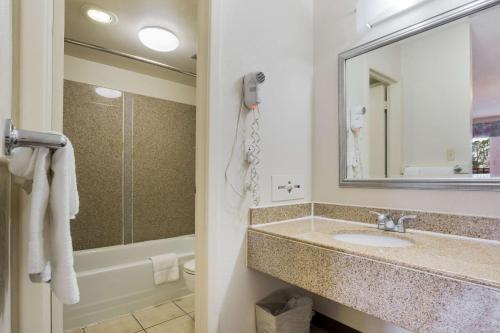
(163, 168)
(135, 165)
(421, 287)
(94, 125)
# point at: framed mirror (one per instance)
(420, 108)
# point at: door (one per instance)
(377, 117)
(5, 112)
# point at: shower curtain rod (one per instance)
(129, 56)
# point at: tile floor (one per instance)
(175, 316)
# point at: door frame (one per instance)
(41, 75)
(34, 90)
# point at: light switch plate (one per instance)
(450, 154)
(287, 187)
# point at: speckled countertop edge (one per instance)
(486, 283)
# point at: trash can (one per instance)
(284, 311)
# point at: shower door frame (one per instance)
(41, 63)
(41, 99)
(36, 24)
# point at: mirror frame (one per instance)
(420, 183)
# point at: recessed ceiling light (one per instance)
(99, 15)
(108, 93)
(158, 39)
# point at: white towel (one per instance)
(50, 256)
(165, 268)
(30, 166)
(64, 205)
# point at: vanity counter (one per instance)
(421, 287)
(469, 259)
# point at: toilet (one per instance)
(189, 274)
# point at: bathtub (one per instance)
(119, 279)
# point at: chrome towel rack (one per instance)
(14, 138)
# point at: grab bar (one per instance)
(14, 138)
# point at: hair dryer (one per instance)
(251, 89)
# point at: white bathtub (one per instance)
(119, 279)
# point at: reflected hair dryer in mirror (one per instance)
(357, 117)
(251, 84)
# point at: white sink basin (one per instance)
(372, 240)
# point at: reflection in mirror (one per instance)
(427, 106)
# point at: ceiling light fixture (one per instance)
(108, 93)
(99, 15)
(373, 12)
(158, 39)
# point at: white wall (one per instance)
(274, 37)
(437, 100)
(81, 70)
(6, 54)
(334, 32)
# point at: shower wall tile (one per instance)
(94, 126)
(163, 168)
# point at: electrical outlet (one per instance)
(287, 187)
(450, 155)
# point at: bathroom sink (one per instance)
(372, 240)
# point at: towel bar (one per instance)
(14, 138)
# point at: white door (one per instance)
(38, 65)
(377, 130)
(5, 112)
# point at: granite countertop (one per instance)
(468, 259)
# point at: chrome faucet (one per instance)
(386, 222)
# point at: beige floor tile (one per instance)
(186, 303)
(183, 324)
(157, 314)
(191, 314)
(123, 324)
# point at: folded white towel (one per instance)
(31, 167)
(165, 268)
(50, 256)
(64, 205)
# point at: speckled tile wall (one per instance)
(94, 126)
(163, 168)
(141, 153)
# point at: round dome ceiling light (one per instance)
(108, 93)
(99, 15)
(158, 39)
